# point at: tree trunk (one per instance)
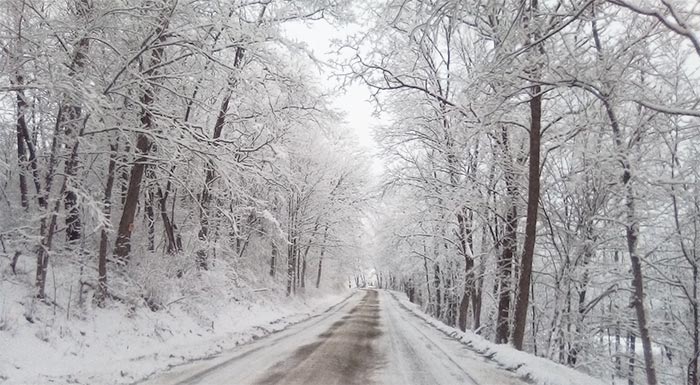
(143, 148)
(522, 304)
(533, 196)
(438, 290)
(426, 269)
(693, 364)
(149, 203)
(273, 259)
(464, 226)
(690, 257)
(631, 348)
(210, 174)
(205, 197)
(173, 245)
(70, 121)
(291, 242)
(479, 287)
(126, 224)
(320, 258)
(638, 287)
(505, 260)
(104, 236)
(631, 227)
(21, 127)
(302, 273)
(47, 230)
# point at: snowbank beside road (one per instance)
(121, 345)
(535, 369)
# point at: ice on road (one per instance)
(367, 339)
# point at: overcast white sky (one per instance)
(354, 101)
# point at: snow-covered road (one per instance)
(366, 339)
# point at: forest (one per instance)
(540, 164)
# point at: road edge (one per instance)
(247, 339)
(521, 368)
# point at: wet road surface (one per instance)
(367, 339)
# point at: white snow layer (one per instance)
(121, 345)
(539, 370)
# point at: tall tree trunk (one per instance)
(70, 121)
(509, 244)
(691, 258)
(631, 225)
(173, 245)
(465, 228)
(291, 241)
(479, 286)
(149, 210)
(205, 197)
(533, 194)
(143, 148)
(693, 364)
(104, 236)
(273, 258)
(638, 283)
(33, 164)
(47, 230)
(438, 290)
(20, 122)
(426, 269)
(210, 173)
(21, 127)
(618, 355)
(521, 306)
(124, 174)
(306, 253)
(320, 258)
(631, 353)
(126, 223)
(303, 272)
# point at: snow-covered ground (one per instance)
(375, 337)
(369, 339)
(527, 366)
(121, 344)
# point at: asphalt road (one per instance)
(367, 339)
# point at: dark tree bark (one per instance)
(291, 244)
(210, 174)
(464, 222)
(126, 223)
(509, 245)
(533, 198)
(150, 211)
(70, 121)
(426, 270)
(320, 258)
(21, 127)
(631, 347)
(20, 122)
(273, 258)
(173, 245)
(143, 148)
(69, 124)
(533, 194)
(33, 164)
(47, 230)
(631, 228)
(104, 235)
(438, 290)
